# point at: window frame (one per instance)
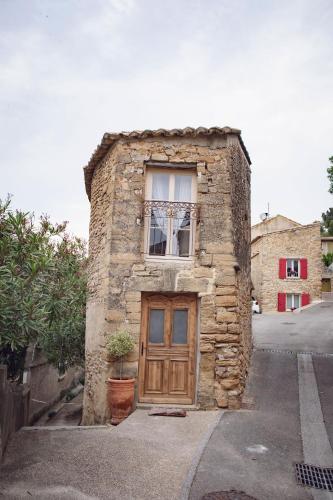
(172, 172)
(293, 301)
(293, 259)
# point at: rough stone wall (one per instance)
(119, 274)
(241, 214)
(299, 242)
(277, 223)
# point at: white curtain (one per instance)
(160, 191)
(180, 240)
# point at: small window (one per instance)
(293, 301)
(170, 213)
(293, 268)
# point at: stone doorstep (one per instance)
(64, 427)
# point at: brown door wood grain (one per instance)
(167, 349)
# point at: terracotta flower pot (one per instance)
(120, 398)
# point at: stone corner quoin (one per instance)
(218, 274)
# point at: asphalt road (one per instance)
(254, 451)
(308, 331)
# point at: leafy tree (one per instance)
(326, 227)
(42, 290)
(330, 175)
(328, 259)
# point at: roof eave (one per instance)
(108, 140)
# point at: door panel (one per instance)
(154, 376)
(167, 361)
(178, 377)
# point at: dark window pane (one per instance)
(156, 326)
(158, 232)
(181, 234)
(179, 333)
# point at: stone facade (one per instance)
(272, 224)
(219, 272)
(266, 250)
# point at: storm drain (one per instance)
(314, 476)
(288, 323)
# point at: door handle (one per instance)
(141, 348)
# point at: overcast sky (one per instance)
(71, 70)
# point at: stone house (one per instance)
(272, 224)
(286, 264)
(327, 277)
(169, 253)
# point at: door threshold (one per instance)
(148, 406)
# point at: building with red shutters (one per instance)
(286, 264)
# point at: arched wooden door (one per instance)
(167, 349)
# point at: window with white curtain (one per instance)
(169, 224)
(293, 268)
(293, 301)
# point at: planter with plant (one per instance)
(120, 389)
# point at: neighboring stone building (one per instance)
(327, 244)
(271, 224)
(170, 262)
(327, 276)
(286, 264)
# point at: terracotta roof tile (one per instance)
(111, 138)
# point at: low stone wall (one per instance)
(14, 407)
(46, 386)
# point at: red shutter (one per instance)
(305, 299)
(304, 269)
(281, 302)
(282, 268)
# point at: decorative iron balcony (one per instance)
(170, 228)
(171, 208)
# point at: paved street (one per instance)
(254, 450)
(308, 331)
(145, 457)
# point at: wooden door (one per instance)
(167, 349)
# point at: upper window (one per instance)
(170, 211)
(293, 268)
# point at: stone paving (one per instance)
(145, 457)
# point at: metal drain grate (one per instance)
(288, 323)
(314, 476)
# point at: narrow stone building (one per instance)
(169, 256)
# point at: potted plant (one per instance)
(121, 389)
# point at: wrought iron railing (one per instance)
(171, 208)
(170, 228)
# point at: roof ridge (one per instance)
(295, 228)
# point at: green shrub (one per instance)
(118, 345)
(328, 259)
